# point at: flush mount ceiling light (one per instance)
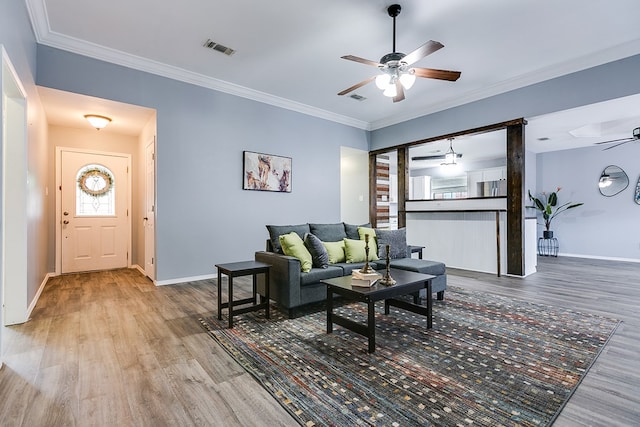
(97, 121)
(450, 156)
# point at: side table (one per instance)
(416, 250)
(237, 269)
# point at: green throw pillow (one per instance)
(293, 245)
(362, 231)
(355, 252)
(335, 251)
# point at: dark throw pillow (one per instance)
(318, 252)
(396, 239)
(275, 231)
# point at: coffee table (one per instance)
(407, 282)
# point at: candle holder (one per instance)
(387, 280)
(366, 269)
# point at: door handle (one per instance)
(145, 218)
(65, 213)
(65, 222)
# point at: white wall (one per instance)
(354, 185)
(605, 227)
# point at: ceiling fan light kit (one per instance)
(395, 67)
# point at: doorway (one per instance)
(94, 202)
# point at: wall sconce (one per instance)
(97, 121)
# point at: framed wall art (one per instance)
(266, 172)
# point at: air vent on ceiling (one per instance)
(357, 97)
(209, 44)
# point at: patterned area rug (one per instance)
(489, 361)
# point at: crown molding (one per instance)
(45, 36)
(615, 53)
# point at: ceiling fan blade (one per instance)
(431, 73)
(619, 143)
(615, 140)
(426, 49)
(357, 85)
(434, 157)
(361, 60)
(399, 92)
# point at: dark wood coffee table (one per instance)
(407, 282)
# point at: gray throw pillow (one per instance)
(319, 254)
(397, 239)
(328, 232)
(352, 230)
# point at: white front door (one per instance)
(95, 208)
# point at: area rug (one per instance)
(489, 361)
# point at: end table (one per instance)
(237, 269)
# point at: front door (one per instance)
(95, 208)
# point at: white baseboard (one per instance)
(606, 258)
(185, 279)
(37, 295)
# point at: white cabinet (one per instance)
(487, 182)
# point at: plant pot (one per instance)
(547, 234)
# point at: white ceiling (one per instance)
(288, 51)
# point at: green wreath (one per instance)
(97, 176)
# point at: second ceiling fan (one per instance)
(396, 72)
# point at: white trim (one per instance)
(185, 279)
(36, 298)
(606, 258)
(44, 35)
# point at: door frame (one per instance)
(14, 145)
(58, 209)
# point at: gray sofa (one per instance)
(293, 289)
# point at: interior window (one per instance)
(95, 192)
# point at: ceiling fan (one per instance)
(395, 66)
(449, 157)
(635, 137)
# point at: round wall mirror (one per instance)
(612, 181)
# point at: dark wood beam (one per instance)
(515, 199)
(403, 185)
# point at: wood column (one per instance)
(515, 199)
(403, 185)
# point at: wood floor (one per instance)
(111, 349)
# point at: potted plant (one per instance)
(548, 205)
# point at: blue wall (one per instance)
(19, 42)
(203, 215)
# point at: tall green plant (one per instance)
(548, 205)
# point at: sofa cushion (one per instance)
(354, 251)
(352, 230)
(335, 251)
(318, 252)
(316, 274)
(328, 232)
(418, 265)
(275, 231)
(292, 245)
(347, 268)
(397, 241)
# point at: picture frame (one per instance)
(266, 172)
